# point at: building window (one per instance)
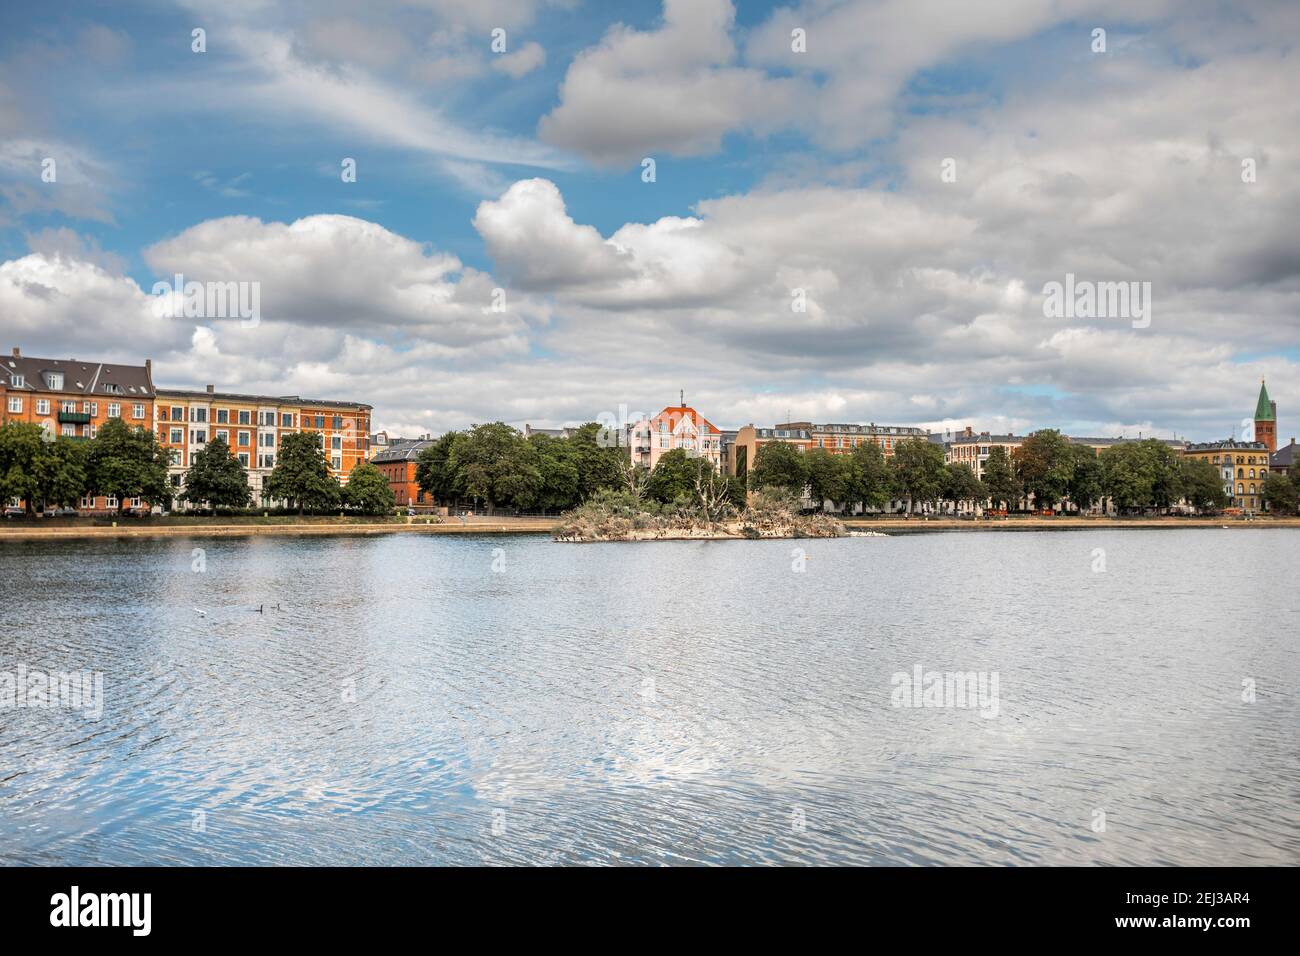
(55, 380)
(336, 443)
(198, 437)
(68, 431)
(114, 410)
(137, 411)
(223, 416)
(243, 438)
(223, 435)
(91, 431)
(15, 403)
(243, 458)
(338, 422)
(113, 388)
(286, 420)
(42, 406)
(336, 463)
(178, 436)
(87, 502)
(110, 501)
(320, 421)
(201, 415)
(266, 439)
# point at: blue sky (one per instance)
(775, 172)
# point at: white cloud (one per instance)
(522, 61)
(674, 89)
(339, 272)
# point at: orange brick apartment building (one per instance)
(75, 398)
(806, 436)
(398, 463)
(254, 426)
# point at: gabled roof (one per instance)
(1264, 407)
(675, 413)
(1284, 457)
(91, 379)
(406, 451)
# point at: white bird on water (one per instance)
(201, 612)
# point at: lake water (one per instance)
(666, 702)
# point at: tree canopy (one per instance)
(216, 478)
(126, 462)
(301, 475)
(367, 491)
(779, 465)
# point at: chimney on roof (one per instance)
(17, 354)
(209, 389)
(969, 431)
(148, 363)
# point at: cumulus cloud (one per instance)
(57, 305)
(340, 272)
(676, 89)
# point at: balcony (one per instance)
(74, 418)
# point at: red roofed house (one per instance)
(677, 426)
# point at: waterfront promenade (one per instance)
(481, 524)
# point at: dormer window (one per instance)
(18, 381)
(113, 388)
(54, 380)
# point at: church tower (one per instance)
(1266, 419)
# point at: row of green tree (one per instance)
(495, 465)
(1047, 469)
(127, 462)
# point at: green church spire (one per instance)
(1264, 408)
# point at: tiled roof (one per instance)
(981, 438)
(79, 378)
(1284, 457)
(407, 451)
(675, 413)
(856, 429)
(190, 394)
(1228, 444)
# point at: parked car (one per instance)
(14, 511)
(62, 513)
